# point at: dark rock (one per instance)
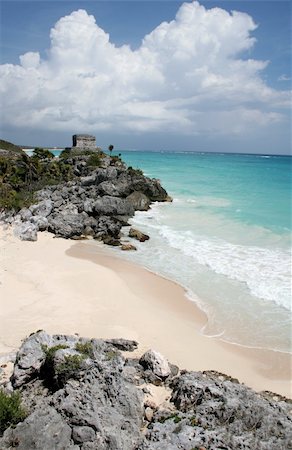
(108, 188)
(88, 181)
(123, 344)
(44, 429)
(30, 357)
(139, 201)
(107, 227)
(67, 226)
(44, 208)
(136, 234)
(112, 206)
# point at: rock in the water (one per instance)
(26, 231)
(128, 247)
(136, 234)
(139, 200)
(156, 363)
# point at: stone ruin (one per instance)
(83, 142)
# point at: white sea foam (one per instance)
(264, 271)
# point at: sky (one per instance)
(148, 75)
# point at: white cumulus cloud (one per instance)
(189, 76)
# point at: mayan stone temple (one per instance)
(84, 142)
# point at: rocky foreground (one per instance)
(96, 202)
(89, 394)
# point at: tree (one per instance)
(40, 153)
(110, 148)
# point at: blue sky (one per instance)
(183, 94)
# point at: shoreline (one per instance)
(66, 287)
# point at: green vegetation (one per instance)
(94, 160)
(5, 145)
(175, 418)
(193, 421)
(65, 154)
(69, 368)
(11, 411)
(115, 159)
(50, 351)
(135, 171)
(40, 153)
(21, 176)
(85, 348)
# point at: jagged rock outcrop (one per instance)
(84, 394)
(97, 202)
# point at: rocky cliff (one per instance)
(97, 201)
(85, 394)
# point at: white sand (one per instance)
(66, 287)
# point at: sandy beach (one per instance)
(70, 287)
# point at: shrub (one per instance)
(12, 199)
(65, 154)
(11, 411)
(50, 351)
(85, 348)
(94, 160)
(134, 171)
(69, 368)
(41, 153)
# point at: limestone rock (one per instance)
(40, 222)
(156, 363)
(139, 200)
(30, 358)
(44, 429)
(67, 226)
(25, 214)
(112, 206)
(101, 403)
(123, 344)
(44, 208)
(26, 231)
(128, 247)
(136, 234)
(81, 434)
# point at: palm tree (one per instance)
(110, 148)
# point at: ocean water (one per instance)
(226, 238)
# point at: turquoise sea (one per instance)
(226, 238)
